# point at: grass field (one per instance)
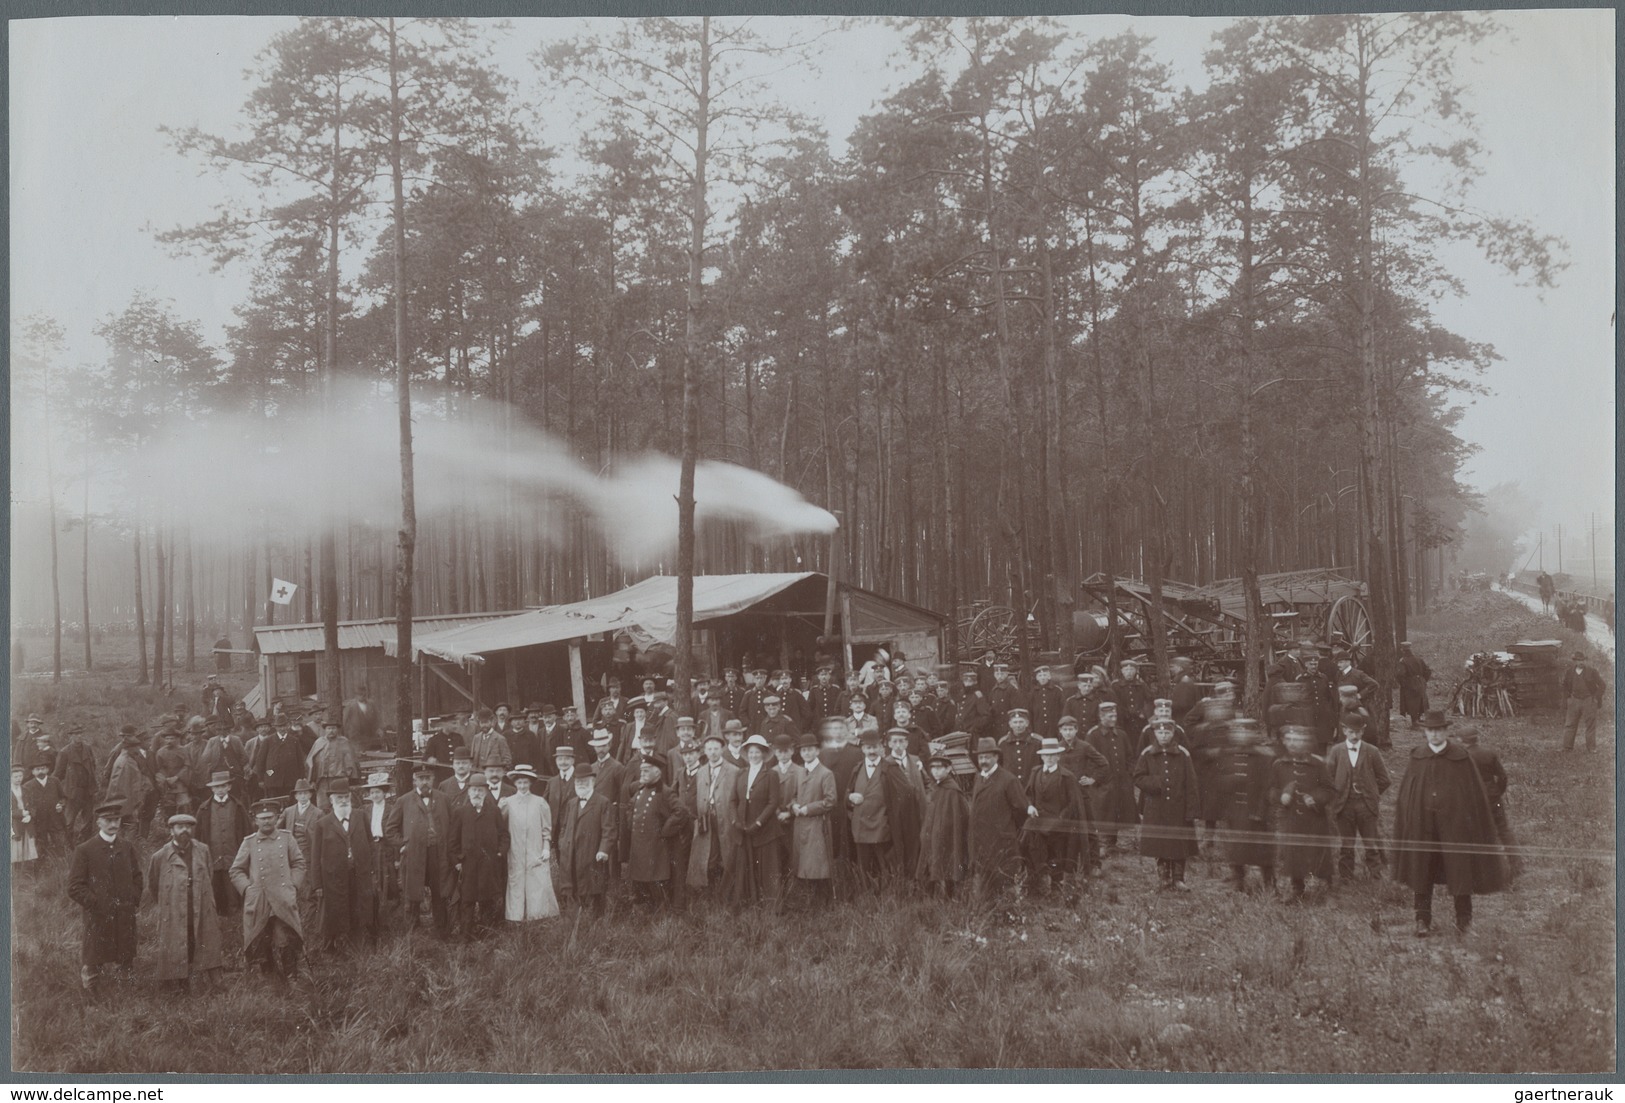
(1130, 979)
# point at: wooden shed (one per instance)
(555, 653)
(289, 653)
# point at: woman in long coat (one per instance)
(1166, 778)
(757, 874)
(1301, 793)
(530, 842)
(170, 880)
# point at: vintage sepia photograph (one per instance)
(710, 543)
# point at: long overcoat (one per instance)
(1113, 801)
(584, 832)
(1166, 778)
(105, 880)
(268, 871)
(1442, 802)
(530, 875)
(1240, 789)
(1304, 830)
(411, 828)
(170, 879)
(341, 867)
(998, 809)
(652, 816)
(713, 824)
(812, 857)
(479, 843)
(945, 835)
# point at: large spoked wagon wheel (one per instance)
(1347, 618)
(994, 627)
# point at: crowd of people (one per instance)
(751, 793)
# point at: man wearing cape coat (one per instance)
(187, 934)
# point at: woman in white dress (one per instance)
(530, 850)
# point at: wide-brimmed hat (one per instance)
(755, 741)
(303, 785)
(462, 754)
(985, 745)
(33, 718)
(220, 777)
(379, 779)
(523, 770)
(1051, 746)
(1433, 718)
(600, 738)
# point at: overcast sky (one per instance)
(91, 177)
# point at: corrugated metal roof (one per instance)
(356, 635)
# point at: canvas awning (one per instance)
(649, 607)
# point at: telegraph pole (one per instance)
(1593, 551)
(1559, 549)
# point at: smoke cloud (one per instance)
(229, 476)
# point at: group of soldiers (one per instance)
(752, 793)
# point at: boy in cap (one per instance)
(42, 796)
(104, 879)
(187, 931)
(944, 831)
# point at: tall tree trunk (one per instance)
(330, 687)
(1253, 643)
(140, 611)
(161, 611)
(691, 385)
(84, 562)
(406, 536)
(190, 613)
(56, 578)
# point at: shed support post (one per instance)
(578, 685)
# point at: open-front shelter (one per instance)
(556, 652)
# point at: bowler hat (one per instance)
(870, 736)
(1433, 718)
(808, 739)
(783, 742)
(985, 745)
(585, 770)
(734, 726)
(339, 788)
(713, 737)
(1353, 719)
(1579, 656)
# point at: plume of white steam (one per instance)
(235, 476)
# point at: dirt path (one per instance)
(1596, 631)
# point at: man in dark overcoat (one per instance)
(105, 880)
(1115, 807)
(417, 829)
(998, 811)
(1166, 778)
(478, 853)
(1444, 832)
(341, 871)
